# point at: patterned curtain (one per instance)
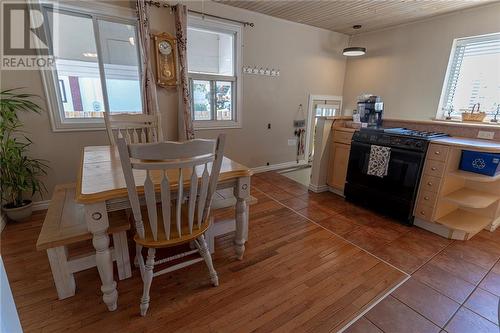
(149, 97)
(186, 130)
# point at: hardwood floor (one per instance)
(295, 276)
(306, 269)
(454, 285)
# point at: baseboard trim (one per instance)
(41, 205)
(278, 166)
(336, 191)
(318, 188)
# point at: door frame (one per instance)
(310, 119)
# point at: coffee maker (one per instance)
(370, 110)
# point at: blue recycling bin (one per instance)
(478, 162)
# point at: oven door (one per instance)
(393, 194)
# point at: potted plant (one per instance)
(19, 173)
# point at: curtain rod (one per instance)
(158, 4)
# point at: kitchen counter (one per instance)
(466, 143)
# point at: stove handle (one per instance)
(393, 149)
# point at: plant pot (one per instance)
(19, 213)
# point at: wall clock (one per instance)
(166, 60)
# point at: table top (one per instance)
(100, 177)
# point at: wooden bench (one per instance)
(64, 225)
(223, 199)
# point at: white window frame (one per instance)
(49, 77)
(441, 113)
(222, 26)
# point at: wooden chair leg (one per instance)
(138, 255)
(120, 245)
(63, 278)
(205, 253)
(147, 279)
(210, 238)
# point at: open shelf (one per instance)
(476, 177)
(466, 197)
(464, 221)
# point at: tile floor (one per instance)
(454, 285)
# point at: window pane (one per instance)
(210, 52)
(475, 75)
(77, 67)
(202, 106)
(224, 100)
(121, 66)
(479, 82)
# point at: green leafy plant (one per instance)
(19, 173)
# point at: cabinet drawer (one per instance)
(427, 198)
(438, 152)
(430, 183)
(434, 168)
(342, 137)
(424, 212)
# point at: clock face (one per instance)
(165, 48)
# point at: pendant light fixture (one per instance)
(354, 51)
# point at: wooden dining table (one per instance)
(101, 189)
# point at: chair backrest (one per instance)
(134, 128)
(166, 165)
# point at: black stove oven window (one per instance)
(402, 176)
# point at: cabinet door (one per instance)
(338, 168)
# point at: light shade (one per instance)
(354, 51)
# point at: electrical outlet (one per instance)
(486, 135)
(292, 142)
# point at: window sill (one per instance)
(456, 123)
(216, 125)
(466, 123)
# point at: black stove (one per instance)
(397, 137)
(394, 194)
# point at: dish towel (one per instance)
(379, 161)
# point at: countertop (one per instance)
(476, 144)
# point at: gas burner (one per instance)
(414, 133)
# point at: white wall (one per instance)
(406, 65)
(310, 61)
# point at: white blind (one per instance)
(474, 74)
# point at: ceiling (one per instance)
(341, 15)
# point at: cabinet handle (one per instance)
(429, 183)
(422, 212)
(433, 169)
(437, 153)
(426, 198)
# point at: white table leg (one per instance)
(63, 277)
(96, 217)
(122, 256)
(242, 193)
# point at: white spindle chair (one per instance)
(134, 128)
(175, 212)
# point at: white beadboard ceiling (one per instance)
(341, 15)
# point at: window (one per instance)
(214, 58)
(96, 67)
(473, 76)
